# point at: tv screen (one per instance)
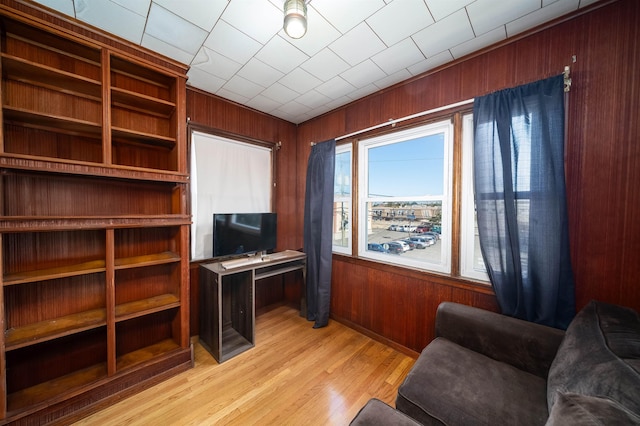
(243, 233)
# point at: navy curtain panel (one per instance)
(519, 185)
(318, 226)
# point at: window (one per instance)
(471, 262)
(342, 200)
(227, 176)
(404, 186)
(405, 205)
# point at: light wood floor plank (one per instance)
(295, 375)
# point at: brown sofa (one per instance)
(485, 368)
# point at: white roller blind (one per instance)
(227, 176)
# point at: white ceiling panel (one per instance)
(174, 30)
(363, 74)
(540, 16)
(112, 18)
(398, 57)
(238, 50)
(444, 34)
(486, 15)
(232, 43)
(203, 13)
(357, 45)
(345, 15)
(399, 20)
(281, 55)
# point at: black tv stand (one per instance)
(227, 299)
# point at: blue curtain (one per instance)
(521, 200)
(318, 226)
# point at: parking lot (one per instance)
(381, 235)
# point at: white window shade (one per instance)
(227, 176)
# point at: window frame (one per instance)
(348, 249)
(468, 225)
(364, 145)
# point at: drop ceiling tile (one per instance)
(346, 14)
(215, 64)
(440, 9)
(203, 13)
(542, 15)
(140, 7)
(260, 20)
(111, 17)
(280, 93)
(313, 99)
(320, 33)
(232, 43)
(449, 32)
(63, 6)
(400, 19)
(300, 81)
(363, 91)
(357, 45)
(475, 44)
(398, 56)
(243, 87)
(166, 49)
(584, 3)
(232, 96)
(485, 15)
(335, 87)
(392, 79)
(431, 63)
(170, 28)
(260, 73)
(281, 55)
(363, 74)
(262, 103)
(325, 65)
(205, 81)
(294, 108)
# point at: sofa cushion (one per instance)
(376, 412)
(579, 410)
(457, 386)
(599, 356)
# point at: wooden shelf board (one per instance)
(143, 137)
(53, 273)
(147, 260)
(31, 334)
(137, 101)
(19, 69)
(47, 391)
(56, 223)
(55, 165)
(37, 120)
(142, 307)
(140, 356)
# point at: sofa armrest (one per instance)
(525, 345)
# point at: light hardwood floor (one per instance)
(295, 375)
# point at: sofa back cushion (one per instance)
(599, 356)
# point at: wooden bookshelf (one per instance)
(94, 230)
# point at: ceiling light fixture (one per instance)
(295, 18)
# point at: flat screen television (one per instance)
(237, 234)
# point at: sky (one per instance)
(410, 168)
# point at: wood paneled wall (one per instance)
(212, 112)
(602, 167)
(602, 157)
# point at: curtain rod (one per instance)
(408, 117)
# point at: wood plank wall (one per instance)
(603, 155)
(204, 109)
(603, 167)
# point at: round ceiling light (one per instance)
(295, 18)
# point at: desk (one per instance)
(227, 299)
